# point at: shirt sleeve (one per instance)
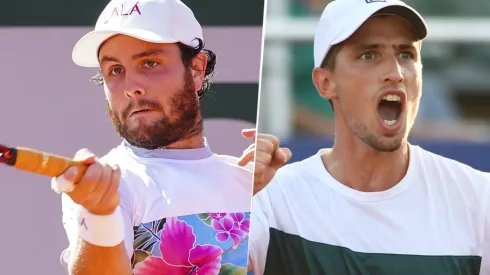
(259, 231)
(70, 225)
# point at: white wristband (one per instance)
(106, 231)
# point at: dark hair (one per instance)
(188, 53)
(329, 61)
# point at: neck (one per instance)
(360, 167)
(192, 142)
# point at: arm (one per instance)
(84, 258)
(92, 259)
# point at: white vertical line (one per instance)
(275, 86)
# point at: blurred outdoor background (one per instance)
(454, 116)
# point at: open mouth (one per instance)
(390, 109)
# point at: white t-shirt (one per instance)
(183, 209)
(435, 221)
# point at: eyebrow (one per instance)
(147, 53)
(363, 47)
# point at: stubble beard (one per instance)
(185, 123)
(376, 141)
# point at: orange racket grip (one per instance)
(46, 164)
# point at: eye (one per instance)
(151, 64)
(368, 55)
(406, 55)
(115, 71)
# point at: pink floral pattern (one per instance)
(226, 229)
(239, 222)
(217, 216)
(205, 243)
(180, 254)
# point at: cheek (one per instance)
(356, 99)
(112, 100)
(354, 89)
(413, 82)
(168, 81)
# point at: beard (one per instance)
(184, 121)
(376, 141)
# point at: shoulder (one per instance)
(453, 180)
(231, 162)
(226, 168)
(291, 181)
(298, 172)
(116, 155)
(437, 165)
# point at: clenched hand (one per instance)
(269, 157)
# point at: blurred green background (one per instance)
(456, 84)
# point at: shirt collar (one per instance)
(176, 154)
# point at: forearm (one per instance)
(99, 247)
(89, 259)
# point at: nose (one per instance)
(133, 86)
(394, 72)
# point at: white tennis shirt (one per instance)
(436, 221)
(183, 210)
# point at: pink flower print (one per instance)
(226, 230)
(240, 222)
(217, 216)
(180, 255)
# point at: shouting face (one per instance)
(376, 84)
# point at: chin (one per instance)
(140, 129)
(391, 144)
(384, 143)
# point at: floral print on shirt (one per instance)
(204, 244)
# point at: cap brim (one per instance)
(408, 13)
(85, 51)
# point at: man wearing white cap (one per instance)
(161, 202)
(373, 204)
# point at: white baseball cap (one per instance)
(341, 18)
(156, 21)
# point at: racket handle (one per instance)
(46, 164)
